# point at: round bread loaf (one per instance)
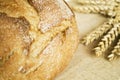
(37, 38)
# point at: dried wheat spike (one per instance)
(115, 52)
(109, 8)
(96, 2)
(107, 40)
(94, 35)
(92, 8)
(117, 49)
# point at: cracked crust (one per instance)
(13, 35)
(52, 14)
(30, 50)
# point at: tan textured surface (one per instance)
(84, 65)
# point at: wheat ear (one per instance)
(96, 2)
(117, 49)
(98, 32)
(115, 52)
(107, 40)
(92, 8)
(117, 17)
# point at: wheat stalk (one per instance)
(105, 7)
(107, 40)
(92, 8)
(96, 2)
(117, 17)
(109, 8)
(115, 51)
(97, 32)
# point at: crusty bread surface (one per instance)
(37, 38)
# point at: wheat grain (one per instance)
(94, 35)
(112, 57)
(107, 40)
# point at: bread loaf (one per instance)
(37, 38)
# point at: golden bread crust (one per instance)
(37, 39)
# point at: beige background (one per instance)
(84, 65)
